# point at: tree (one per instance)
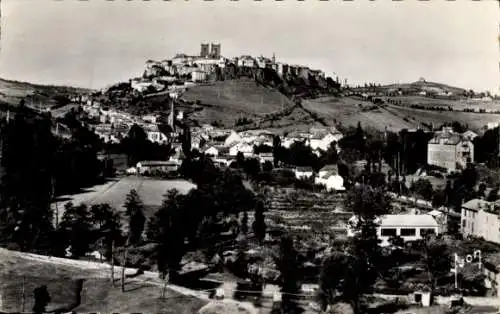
(108, 226)
(276, 150)
(259, 224)
(366, 257)
(493, 195)
(267, 166)
(76, 227)
(166, 229)
(28, 147)
(288, 266)
(244, 223)
(186, 142)
(251, 167)
(423, 188)
(134, 211)
(331, 278)
(135, 144)
(438, 259)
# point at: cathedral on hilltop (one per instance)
(213, 52)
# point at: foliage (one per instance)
(423, 188)
(76, 227)
(108, 226)
(165, 228)
(28, 149)
(288, 266)
(244, 223)
(135, 213)
(259, 224)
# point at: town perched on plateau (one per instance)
(213, 184)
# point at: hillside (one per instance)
(11, 92)
(425, 86)
(226, 101)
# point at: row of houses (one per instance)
(114, 124)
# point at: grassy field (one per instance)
(456, 104)
(12, 92)
(228, 100)
(114, 192)
(348, 112)
(476, 121)
(18, 274)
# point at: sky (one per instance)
(95, 43)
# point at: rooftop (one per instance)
(424, 220)
(476, 204)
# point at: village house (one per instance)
(263, 157)
(480, 219)
(244, 148)
(332, 181)
(449, 150)
(147, 167)
(246, 62)
(410, 227)
(469, 135)
(303, 172)
(327, 169)
(199, 76)
(233, 138)
(211, 151)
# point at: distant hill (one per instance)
(423, 85)
(11, 93)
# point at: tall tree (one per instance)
(259, 224)
(244, 223)
(135, 212)
(165, 228)
(76, 226)
(288, 266)
(108, 226)
(28, 147)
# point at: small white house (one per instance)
(410, 227)
(469, 135)
(327, 169)
(244, 148)
(232, 139)
(157, 137)
(212, 151)
(332, 182)
(303, 172)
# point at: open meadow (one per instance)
(227, 101)
(348, 112)
(115, 191)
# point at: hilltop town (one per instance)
(313, 196)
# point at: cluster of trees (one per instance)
(36, 167)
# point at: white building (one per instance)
(407, 226)
(157, 137)
(246, 61)
(244, 148)
(332, 182)
(449, 150)
(212, 151)
(232, 139)
(303, 172)
(327, 169)
(479, 218)
(199, 76)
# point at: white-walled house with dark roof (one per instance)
(410, 227)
